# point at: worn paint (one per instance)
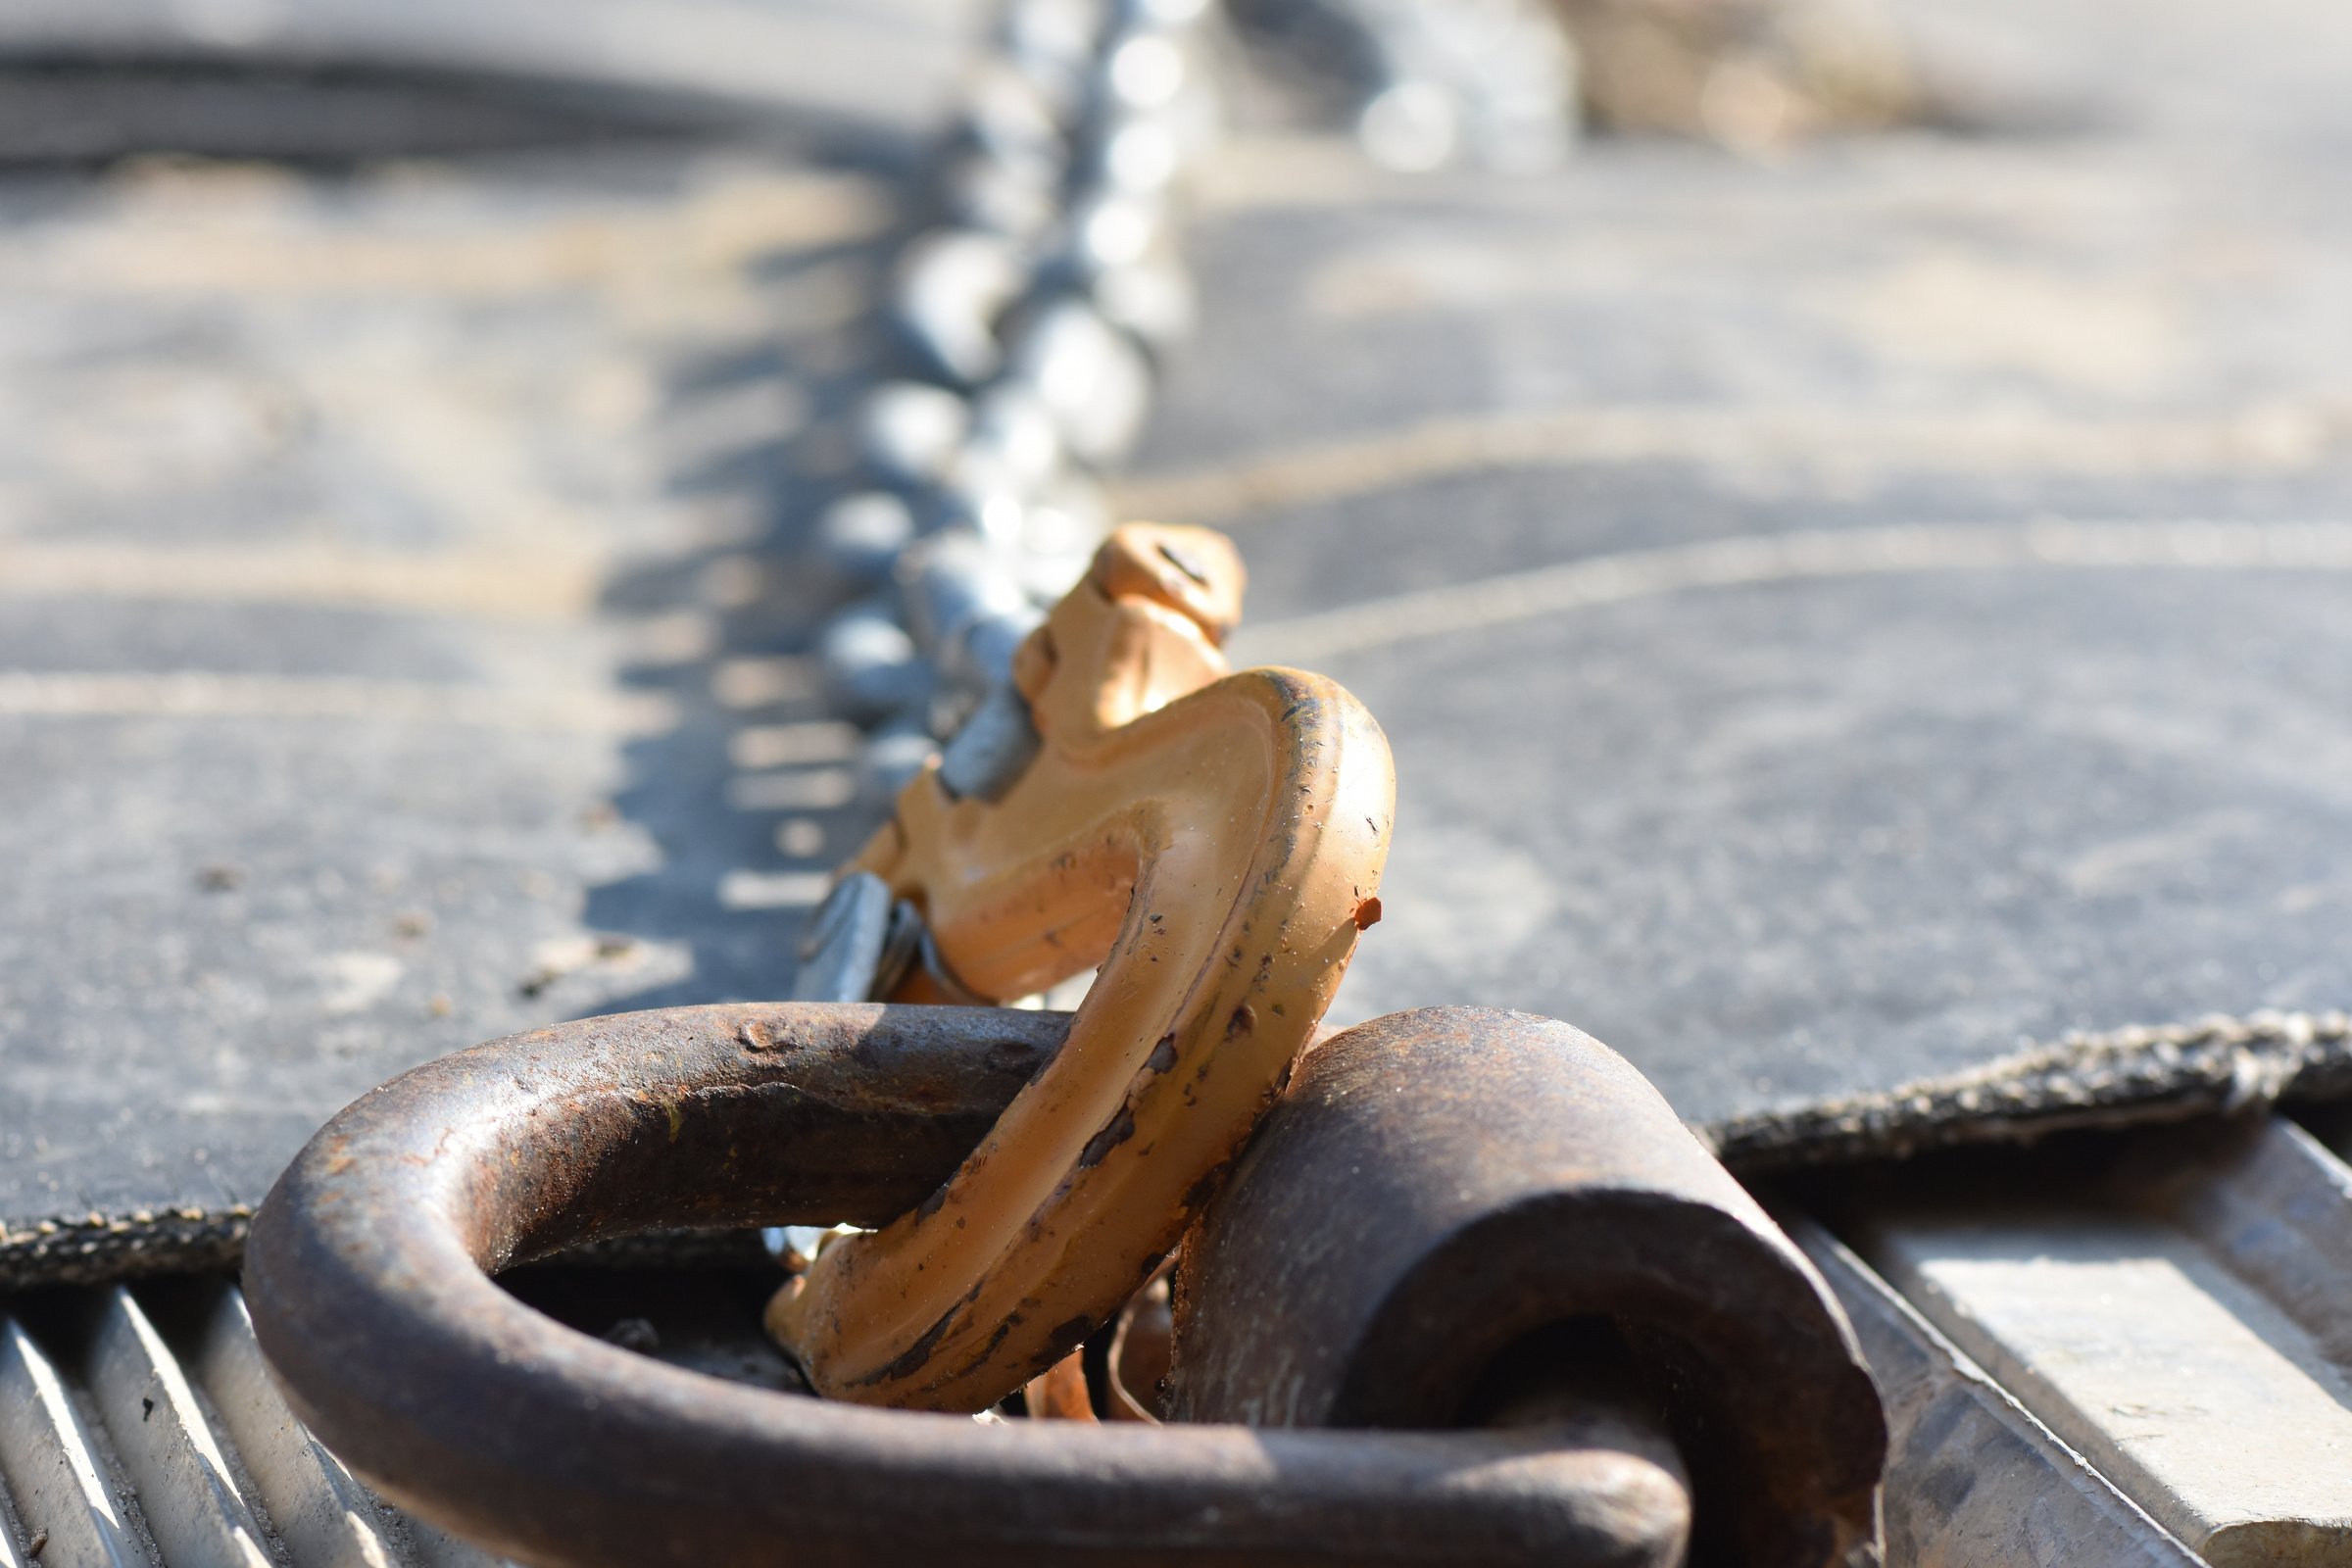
(1163, 785)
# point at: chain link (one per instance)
(1039, 309)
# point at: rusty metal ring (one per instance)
(367, 1272)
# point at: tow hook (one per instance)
(1214, 843)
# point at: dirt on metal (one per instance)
(1464, 1216)
(366, 1276)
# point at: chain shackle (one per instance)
(454, 1398)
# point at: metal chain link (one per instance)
(1483, 81)
(1040, 311)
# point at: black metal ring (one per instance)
(366, 1274)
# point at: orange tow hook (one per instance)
(1214, 843)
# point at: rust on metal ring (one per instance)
(368, 1276)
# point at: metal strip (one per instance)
(52, 1466)
(1970, 1476)
(2276, 1206)
(325, 1516)
(9, 1533)
(2133, 1319)
(184, 1485)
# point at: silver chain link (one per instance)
(1040, 312)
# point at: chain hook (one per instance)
(1214, 842)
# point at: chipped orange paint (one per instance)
(1214, 842)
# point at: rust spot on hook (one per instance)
(1242, 811)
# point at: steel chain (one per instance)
(1040, 310)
